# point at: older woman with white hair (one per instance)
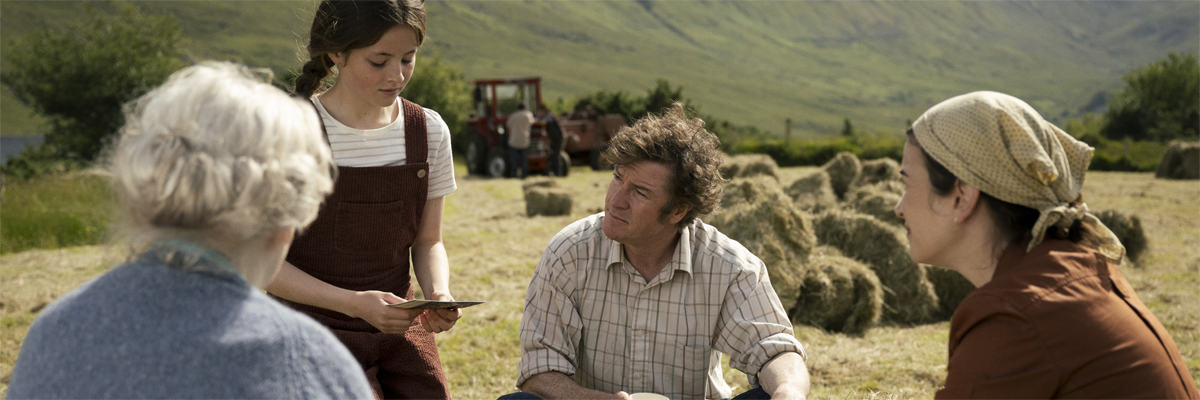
(994, 192)
(215, 171)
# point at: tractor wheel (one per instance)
(560, 166)
(596, 158)
(497, 163)
(476, 153)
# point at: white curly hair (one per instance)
(216, 153)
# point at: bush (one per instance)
(37, 161)
(80, 78)
(1160, 102)
(657, 99)
(1110, 154)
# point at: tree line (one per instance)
(80, 77)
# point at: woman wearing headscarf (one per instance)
(993, 192)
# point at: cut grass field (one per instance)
(55, 211)
(494, 248)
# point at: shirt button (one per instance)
(639, 333)
(421, 173)
(637, 375)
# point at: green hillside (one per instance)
(878, 63)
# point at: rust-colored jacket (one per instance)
(1060, 322)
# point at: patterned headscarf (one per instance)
(999, 144)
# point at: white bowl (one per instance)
(648, 396)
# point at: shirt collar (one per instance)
(680, 261)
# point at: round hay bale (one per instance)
(728, 168)
(813, 193)
(542, 182)
(1181, 160)
(876, 203)
(839, 294)
(895, 187)
(1128, 229)
(951, 288)
(746, 165)
(878, 170)
(843, 170)
(779, 234)
(759, 188)
(892, 187)
(908, 297)
(547, 201)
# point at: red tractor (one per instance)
(575, 138)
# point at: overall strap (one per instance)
(320, 121)
(416, 137)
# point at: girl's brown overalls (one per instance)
(360, 241)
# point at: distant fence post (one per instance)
(787, 132)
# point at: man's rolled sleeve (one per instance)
(754, 328)
(550, 328)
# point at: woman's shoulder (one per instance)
(1054, 280)
(97, 294)
(1032, 273)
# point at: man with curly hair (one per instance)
(644, 297)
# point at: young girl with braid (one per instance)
(394, 169)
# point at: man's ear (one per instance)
(677, 214)
(966, 200)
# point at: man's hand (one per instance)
(785, 377)
(372, 306)
(440, 319)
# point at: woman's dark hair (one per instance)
(340, 26)
(1013, 221)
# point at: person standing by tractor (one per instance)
(554, 132)
(394, 168)
(518, 126)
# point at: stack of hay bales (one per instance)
(746, 165)
(875, 192)
(754, 189)
(895, 187)
(544, 197)
(910, 297)
(847, 268)
(839, 294)
(1128, 229)
(1180, 161)
(878, 170)
(776, 231)
(877, 201)
(813, 193)
(843, 170)
(951, 288)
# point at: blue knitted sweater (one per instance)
(180, 322)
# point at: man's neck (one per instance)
(649, 259)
